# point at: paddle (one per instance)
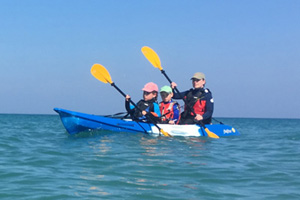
(100, 73)
(153, 58)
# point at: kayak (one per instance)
(76, 122)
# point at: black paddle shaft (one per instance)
(147, 116)
(164, 73)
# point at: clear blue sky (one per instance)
(249, 51)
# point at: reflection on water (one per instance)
(98, 191)
(150, 147)
(138, 161)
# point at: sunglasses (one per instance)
(164, 94)
(147, 93)
(196, 80)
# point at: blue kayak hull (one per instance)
(76, 122)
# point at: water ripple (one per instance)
(39, 160)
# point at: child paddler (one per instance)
(148, 105)
(169, 109)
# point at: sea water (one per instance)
(39, 160)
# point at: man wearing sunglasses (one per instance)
(199, 103)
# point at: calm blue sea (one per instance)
(39, 160)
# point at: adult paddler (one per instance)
(198, 100)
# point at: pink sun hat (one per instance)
(150, 87)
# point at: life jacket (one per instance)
(167, 111)
(143, 105)
(195, 101)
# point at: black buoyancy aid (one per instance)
(143, 105)
(167, 110)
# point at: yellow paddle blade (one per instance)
(211, 134)
(100, 73)
(152, 57)
(165, 133)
